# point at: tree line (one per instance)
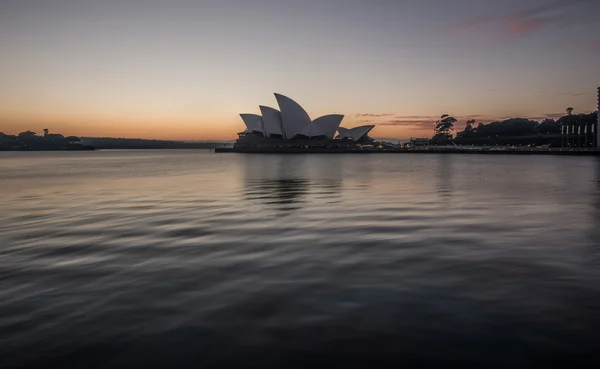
(568, 130)
(29, 140)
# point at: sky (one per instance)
(184, 69)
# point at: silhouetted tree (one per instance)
(8, 142)
(468, 131)
(469, 125)
(71, 140)
(29, 140)
(569, 111)
(549, 126)
(525, 131)
(27, 134)
(443, 129)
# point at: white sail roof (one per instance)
(360, 132)
(355, 133)
(253, 122)
(326, 125)
(307, 131)
(272, 121)
(293, 116)
(344, 132)
(293, 120)
(250, 120)
(259, 126)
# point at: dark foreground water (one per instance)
(144, 259)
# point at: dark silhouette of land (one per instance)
(48, 141)
(30, 141)
(138, 143)
(571, 130)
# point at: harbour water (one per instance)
(143, 259)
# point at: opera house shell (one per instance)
(291, 124)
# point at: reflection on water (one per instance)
(284, 182)
(444, 176)
(595, 215)
(285, 194)
(191, 259)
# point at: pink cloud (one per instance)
(595, 44)
(541, 117)
(571, 94)
(416, 117)
(521, 23)
(375, 115)
(426, 122)
(416, 124)
(518, 27)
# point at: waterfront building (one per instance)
(417, 141)
(291, 126)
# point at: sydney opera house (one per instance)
(291, 127)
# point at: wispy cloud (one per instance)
(470, 24)
(541, 117)
(413, 124)
(375, 115)
(426, 122)
(571, 94)
(522, 26)
(524, 22)
(595, 44)
(475, 116)
(416, 117)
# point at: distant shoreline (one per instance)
(112, 148)
(103, 143)
(92, 148)
(31, 141)
(82, 148)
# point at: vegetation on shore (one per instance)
(49, 141)
(520, 131)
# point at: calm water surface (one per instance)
(194, 259)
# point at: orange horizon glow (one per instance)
(160, 132)
(152, 130)
(213, 128)
(225, 131)
(163, 127)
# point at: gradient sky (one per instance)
(185, 69)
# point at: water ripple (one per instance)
(146, 259)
